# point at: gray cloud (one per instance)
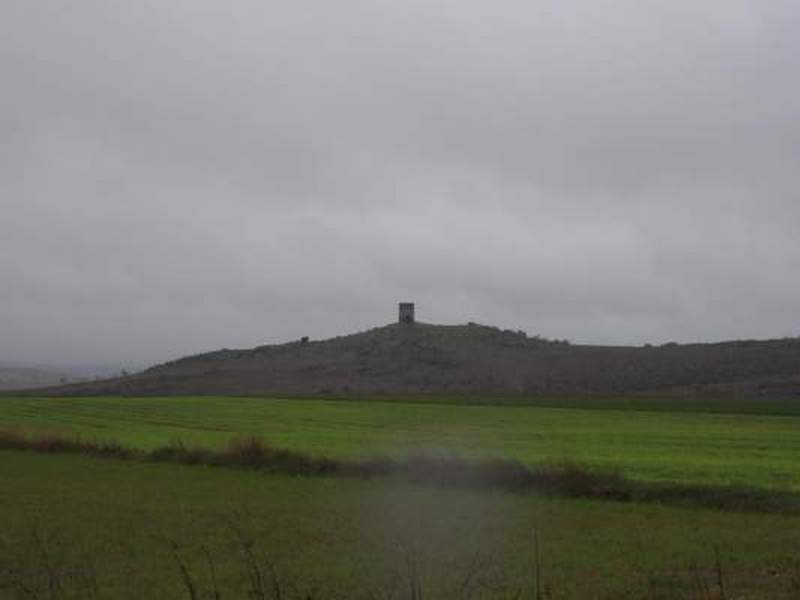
(181, 176)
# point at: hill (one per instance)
(424, 358)
(19, 377)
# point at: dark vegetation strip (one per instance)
(564, 479)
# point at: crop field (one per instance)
(78, 526)
(757, 445)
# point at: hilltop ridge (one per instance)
(472, 358)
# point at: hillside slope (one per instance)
(424, 358)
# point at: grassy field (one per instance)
(74, 526)
(81, 527)
(756, 445)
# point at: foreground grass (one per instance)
(669, 443)
(72, 526)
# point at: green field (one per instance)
(756, 445)
(74, 526)
(93, 528)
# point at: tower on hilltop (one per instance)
(406, 312)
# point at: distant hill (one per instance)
(18, 378)
(422, 358)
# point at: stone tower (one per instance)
(406, 312)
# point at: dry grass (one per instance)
(54, 442)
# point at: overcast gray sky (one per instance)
(183, 175)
